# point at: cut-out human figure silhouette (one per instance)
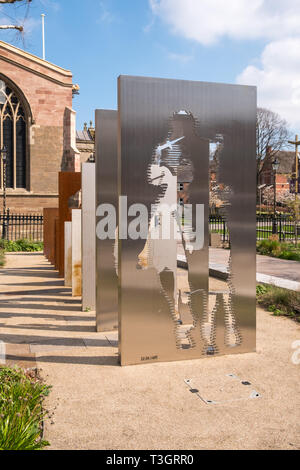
(167, 233)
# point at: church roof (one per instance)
(287, 161)
(84, 136)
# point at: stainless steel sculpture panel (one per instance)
(88, 236)
(167, 128)
(106, 193)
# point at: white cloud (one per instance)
(207, 21)
(149, 25)
(278, 79)
(183, 58)
(277, 22)
(105, 15)
(30, 24)
(54, 5)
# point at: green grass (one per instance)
(2, 258)
(278, 301)
(21, 410)
(267, 229)
(272, 247)
(21, 246)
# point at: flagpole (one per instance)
(43, 27)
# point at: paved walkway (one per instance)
(278, 272)
(103, 406)
(265, 264)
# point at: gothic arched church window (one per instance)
(13, 135)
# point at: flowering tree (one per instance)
(285, 198)
(267, 195)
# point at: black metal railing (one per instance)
(22, 226)
(218, 225)
(266, 225)
(30, 227)
(281, 225)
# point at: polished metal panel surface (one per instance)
(164, 126)
(88, 206)
(106, 193)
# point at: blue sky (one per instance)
(209, 40)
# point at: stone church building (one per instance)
(37, 127)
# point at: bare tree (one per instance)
(272, 135)
(11, 26)
(14, 1)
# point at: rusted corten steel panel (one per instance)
(69, 183)
(56, 254)
(49, 233)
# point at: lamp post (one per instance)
(275, 166)
(3, 153)
(297, 144)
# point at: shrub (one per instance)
(289, 255)
(21, 246)
(279, 301)
(272, 247)
(21, 411)
(261, 289)
(2, 258)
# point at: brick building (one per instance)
(283, 174)
(37, 127)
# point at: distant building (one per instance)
(284, 173)
(37, 126)
(85, 142)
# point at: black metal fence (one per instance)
(282, 225)
(217, 224)
(266, 225)
(30, 226)
(19, 226)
